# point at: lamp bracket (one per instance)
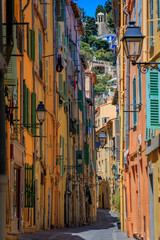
(144, 66)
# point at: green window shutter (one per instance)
(59, 34)
(153, 99)
(134, 103)
(10, 77)
(28, 38)
(63, 158)
(147, 135)
(60, 83)
(60, 154)
(32, 35)
(24, 103)
(29, 187)
(28, 107)
(102, 120)
(140, 85)
(66, 91)
(158, 14)
(33, 112)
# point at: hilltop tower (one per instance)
(102, 30)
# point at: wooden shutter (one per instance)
(58, 8)
(10, 77)
(33, 112)
(151, 22)
(32, 36)
(139, 12)
(140, 85)
(63, 157)
(153, 99)
(24, 103)
(28, 38)
(134, 103)
(28, 107)
(117, 140)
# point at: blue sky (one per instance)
(90, 6)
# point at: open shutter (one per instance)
(153, 99)
(59, 34)
(117, 140)
(33, 112)
(140, 85)
(24, 103)
(134, 103)
(32, 35)
(63, 157)
(102, 120)
(10, 77)
(28, 107)
(28, 38)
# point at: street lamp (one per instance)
(133, 40)
(102, 138)
(114, 169)
(79, 159)
(41, 112)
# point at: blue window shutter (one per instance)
(147, 135)
(45, 13)
(139, 12)
(135, 9)
(134, 103)
(153, 99)
(151, 23)
(140, 85)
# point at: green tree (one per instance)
(110, 21)
(99, 9)
(108, 6)
(91, 26)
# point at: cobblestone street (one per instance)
(104, 229)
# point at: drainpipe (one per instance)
(127, 92)
(121, 135)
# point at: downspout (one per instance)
(121, 135)
(127, 94)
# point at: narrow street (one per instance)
(104, 229)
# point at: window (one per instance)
(140, 85)
(152, 100)
(135, 10)
(139, 12)
(134, 103)
(151, 22)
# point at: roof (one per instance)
(104, 127)
(80, 26)
(103, 105)
(100, 14)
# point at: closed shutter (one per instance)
(59, 34)
(10, 77)
(24, 103)
(58, 8)
(32, 36)
(153, 99)
(117, 140)
(134, 103)
(28, 38)
(80, 100)
(63, 157)
(33, 112)
(103, 121)
(135, 9)
(60, 83)
(28, 108)
(151, 22)
(140, 85)
(45, 13)
(61, 154)
(139, 12)
(86, 153)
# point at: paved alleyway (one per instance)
(104, 229)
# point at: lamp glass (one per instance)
(79, 160)
(133, 48)
(41, 112)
